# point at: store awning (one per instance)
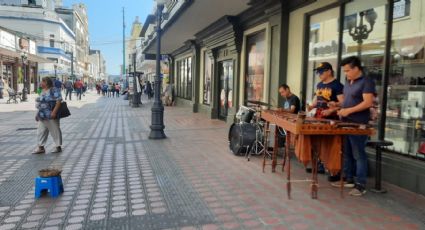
(191, 19)
(30, 57)
(38, 59)
(410, 45)
(10, 53)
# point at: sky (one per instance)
(105, 26)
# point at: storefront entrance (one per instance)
(225, 93)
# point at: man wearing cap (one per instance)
(329, 91)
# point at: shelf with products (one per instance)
(406, 134)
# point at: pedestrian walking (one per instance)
(113, 90)
(110, 87)
(47, 105)
(84, 88)
(167, 94)
(57, 83)
(149, 90)
(104, 89)
(78, 86)
(1, 87)
(68, 89)
(117, 89)
(98, 88)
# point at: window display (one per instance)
(254, 80)
(365, 37)
(406, 92)
(323, 46)
(207, 79)
(184, 78)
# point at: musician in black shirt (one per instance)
(292, 102)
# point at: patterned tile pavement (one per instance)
(116, 178)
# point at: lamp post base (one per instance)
(24, 95)
(157, 127)
(157, 134)
(378, 190)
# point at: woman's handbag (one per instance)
(63, 111)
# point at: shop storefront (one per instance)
(237, 63)
(183, 72)
(245, 57)
(220, 57)
(333, 30)
(13, 72)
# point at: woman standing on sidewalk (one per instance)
(48, 105)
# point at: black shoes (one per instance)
(333, 178)
(57, 150)
(40, 150)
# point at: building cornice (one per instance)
(60, 22)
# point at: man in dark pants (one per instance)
(68, 89)
(358, 98)
(328, 91)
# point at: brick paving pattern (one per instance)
(116, 178)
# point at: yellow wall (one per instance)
(295, 44)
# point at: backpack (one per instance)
(68, 84)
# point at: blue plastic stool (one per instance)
(52, 184)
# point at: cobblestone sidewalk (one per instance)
(116, 178)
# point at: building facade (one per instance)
(18, 60)
(76, 18)
(98, 66)
(243, 53)
(133, 44)
(54, 39)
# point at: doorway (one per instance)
(225, 93)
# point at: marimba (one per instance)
(314, 138)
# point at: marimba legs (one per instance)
(288, 173)
(314, 182)
(275, 148)
(266, 134)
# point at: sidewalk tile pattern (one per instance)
(116, 178)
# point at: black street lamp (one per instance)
(55, 65)
(72, 63)
(361, 32)
(24, 74)
(157, 126)
(136, 99)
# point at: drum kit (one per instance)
(248, 134)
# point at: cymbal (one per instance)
(258, 103)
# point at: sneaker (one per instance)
(358, 190)
(320, 168)
(347, 184)
(334, 178)
(57, 150)
(308, 170)
(40, 150)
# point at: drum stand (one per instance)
(258, 147)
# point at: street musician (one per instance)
(291, 102)
(329, 92)
(358, 99)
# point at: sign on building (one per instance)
(7, 40)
